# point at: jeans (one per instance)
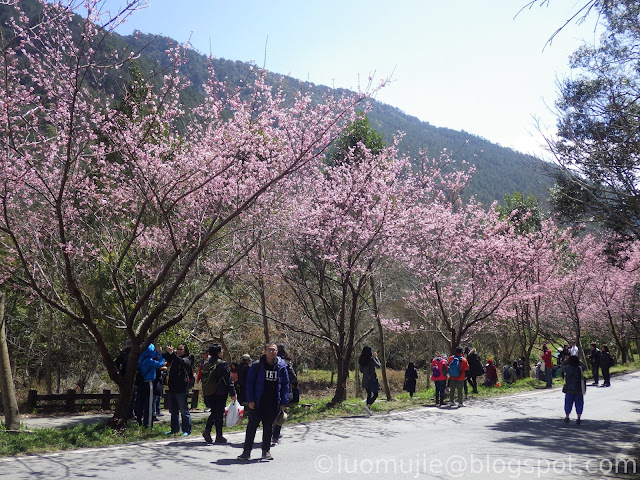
(217, 403)
(570, 399)
(178, 404)
(265, 414)
(595, 369)
(549, 375)
(606, 376)
(371, 396)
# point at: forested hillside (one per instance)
(500, 170)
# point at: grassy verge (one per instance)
(313, 407)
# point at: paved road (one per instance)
(520, 436)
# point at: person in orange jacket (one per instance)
(458, 365)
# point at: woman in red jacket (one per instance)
(439, 376)
(491, 376)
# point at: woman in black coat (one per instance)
(410, 378)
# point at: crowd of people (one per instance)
(265, 387)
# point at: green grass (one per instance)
(311, 408)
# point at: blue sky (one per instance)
(468, 65)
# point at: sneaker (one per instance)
(368, 410)
(578, 421)
(460, 405)
(221, 440)
(207, 437)
(267, 455)
(206, 410)
(566, 419)
(185, 434)
(171, 433)
(244, 456)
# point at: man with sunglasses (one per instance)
(179, 378)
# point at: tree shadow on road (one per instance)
(592, 437)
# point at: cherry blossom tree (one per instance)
(338, 231)
(122, 219)
(465, 262)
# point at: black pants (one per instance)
(371, 396)
(265, 414)
(144, 404)
(595, 369)
(606, 376)
(217, 402)
(473, 381)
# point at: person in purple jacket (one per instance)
(267, 394)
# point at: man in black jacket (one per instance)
(180, 373)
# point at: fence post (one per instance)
(194, 399)
(32, 400)
(71, 401)
(106, 399)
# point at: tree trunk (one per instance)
(9, 401)
(340, 394)
(125, 386)
(383, 362)
(48, 365)
(263, 296)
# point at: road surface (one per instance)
(521, 436)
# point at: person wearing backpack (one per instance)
(509, 373)
(439, 377)
(180, 374)
(458, 366)
(217, 384)
(410, 379)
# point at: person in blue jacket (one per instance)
(267, 395)
(148, 361)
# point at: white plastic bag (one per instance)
(233, 413)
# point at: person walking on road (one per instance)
(574, 388)
(368, 362)
(216, 385)
(267, 395)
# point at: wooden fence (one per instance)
(73, 401)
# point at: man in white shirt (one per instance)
(573, 350)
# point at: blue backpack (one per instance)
(455, 369)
